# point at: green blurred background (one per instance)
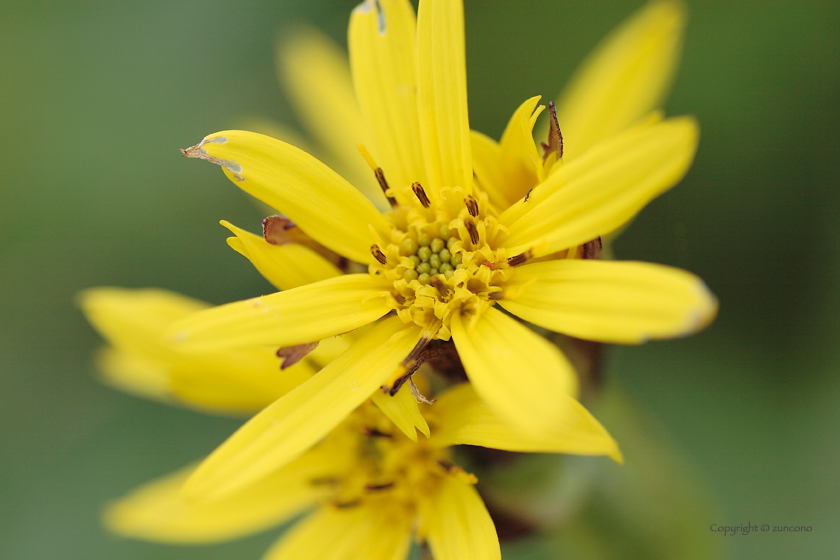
(96, 97)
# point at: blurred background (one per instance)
(736, 425)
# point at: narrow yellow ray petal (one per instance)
(366, 532)
(626, 77)
(600, 191)
(157, 511)
(457, 526)
(465, 420)
(294, 423)
(442, 95)
(240, 382)
(486, 154)
(507, 170)
(135, 374)
(315, 74)
(519, 374)
(134, 320)
(285, 266)
(298, 316)
(381, 39)
(402, 409)
(145, 363)
(328, 208)
(609, 301)
(520, 161)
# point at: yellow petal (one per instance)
(519, 374)
(298, 316)
(135, 374)
(316, 198)
(145, 363)
(442, 95)
(365, 532)
(316, 76)
(402, 409)
(465, 420)
(381, 39)
(520, 161)
(134, 320)
(157, 512)
(599, 191)
(625, 78)
(285, 266)
(507, 170)
(608, 301)
(294, 423)
(236, 381)
(486, 154)
(457, 526)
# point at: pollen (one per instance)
(442, 258)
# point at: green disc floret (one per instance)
(408, 247)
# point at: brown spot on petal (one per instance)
(291, 355)
(280, 230)
(555, 137)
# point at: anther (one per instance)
(440, 285)
(496, 296)
(473, 231)
(377, 172)
(528, 195)
(472, 206)
(378, 254)
(346, 505)
(521, 258)
(378, 487)
(421, 194)
(375, 432)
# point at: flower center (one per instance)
(383, 465)
(439, 261)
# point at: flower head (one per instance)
(446, 256)
(366, 490)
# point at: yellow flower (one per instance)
(447, 253)
(365, 485)
(366, 489)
